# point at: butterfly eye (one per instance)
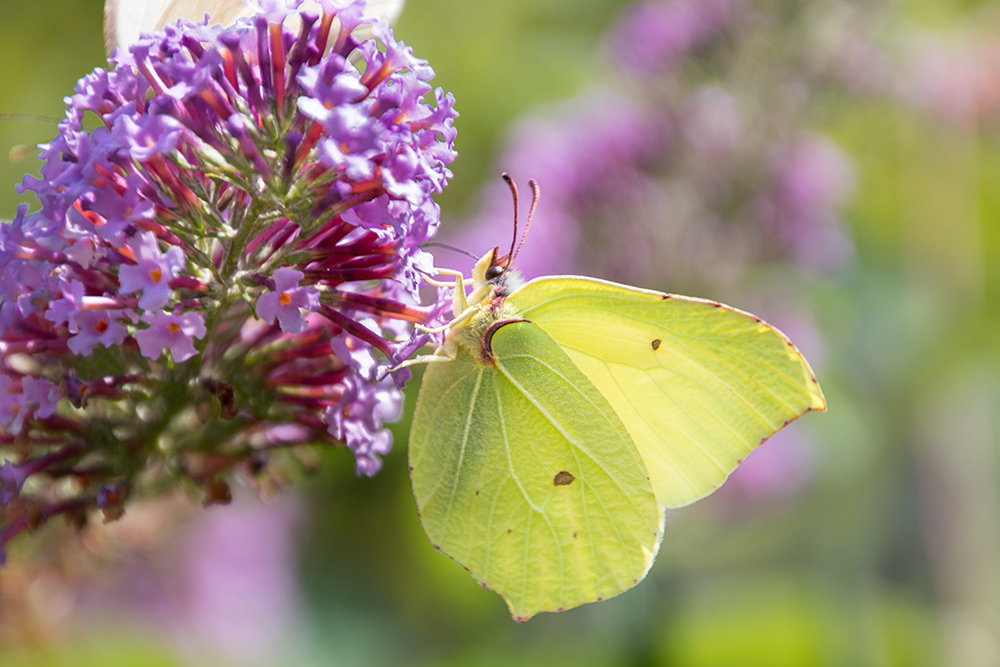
(494, 272)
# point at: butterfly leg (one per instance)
(460, 318)
(421, 359)
(461, 302)
(461, 309)
(446, 353)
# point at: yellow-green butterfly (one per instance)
(561, 417)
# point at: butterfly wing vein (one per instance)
(543, 545)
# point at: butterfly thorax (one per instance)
(490, 289)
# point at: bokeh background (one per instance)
(833, 166)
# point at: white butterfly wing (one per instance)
(221, 11)
(125, 20)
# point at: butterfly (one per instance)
(125, 20)
(560, 417)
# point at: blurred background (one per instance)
(833, 166)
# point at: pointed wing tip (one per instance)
(818, 403)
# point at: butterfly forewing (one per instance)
(697, 384)
(523, 474)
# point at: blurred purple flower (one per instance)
(654, 34)
(238, 589)
(588, 149)
(11, 479)
(688, 176)
(811, 180)
(222, 584)
(712, 122)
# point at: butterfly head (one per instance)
(492, 277)
(494, 272)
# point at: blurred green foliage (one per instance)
(885, 559)
(108, 648)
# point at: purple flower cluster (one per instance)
(221, 269)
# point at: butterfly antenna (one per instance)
(29, 116)
(513, 191)
(436, 244)
(535, 194)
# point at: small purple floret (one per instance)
(172, 332)
(152, 271)
(287, 301)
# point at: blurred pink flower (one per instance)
(228, 591)
(781, 467)
(955, 81)
(238, 589)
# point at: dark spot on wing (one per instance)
(477, 492)
(574, 534)
(563, 478)
(656, 343)
(508, 530)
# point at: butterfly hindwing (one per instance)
(523, 474)
(697, 384)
